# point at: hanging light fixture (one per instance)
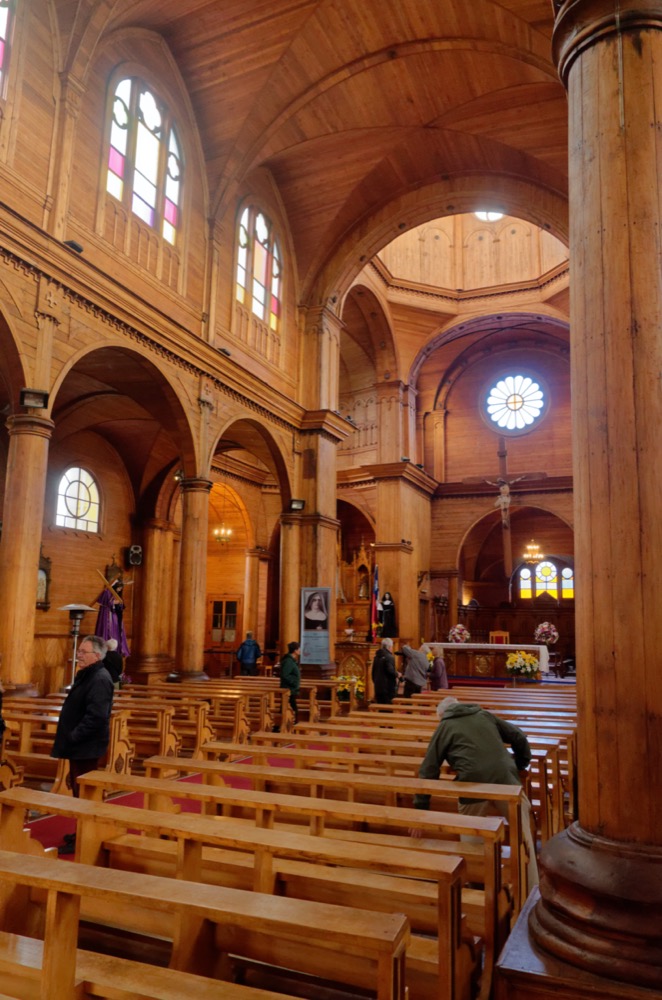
(533, 553)
(222, 534)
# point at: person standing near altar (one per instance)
(415, 672)
(384, 674)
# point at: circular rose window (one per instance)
(515, 402)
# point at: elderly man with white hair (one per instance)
(474, 742)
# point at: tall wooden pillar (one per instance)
(601, 884)
(152, 653)
(252, 591)
(23, 516)
(290, 579)
(192, 579)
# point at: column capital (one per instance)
(580, 24)
(195, 484)
(27, 423)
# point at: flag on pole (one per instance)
(374, 605)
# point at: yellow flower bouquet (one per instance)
(522, 664)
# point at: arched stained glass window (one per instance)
(259, 267)
(547, 579)
(525, 583)
(78, 501)
(144, 158)
(567, 583)
(6, 24)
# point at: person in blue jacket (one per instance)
(248, 654)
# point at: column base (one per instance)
(527, 972)
(600, 906)
(177, 676)
(19, 691)
(149, 669)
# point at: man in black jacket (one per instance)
(83, 729)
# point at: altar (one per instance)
(484, 659)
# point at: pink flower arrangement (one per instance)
(459, 634)
(546, 633)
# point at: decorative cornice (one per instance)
(475, 491)
(146, 342)
(562, 271)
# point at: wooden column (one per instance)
(23, 516)
(152, 653)
(601, 906)
(252, 591)
(193, 579)
(290, 579)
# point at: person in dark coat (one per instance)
(83, 729)
(113, 661)
(384, 674)
(290, 675)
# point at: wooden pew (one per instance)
(40, 766)
(102, 833)
(492, 909)
(205, 919)
(387, 790)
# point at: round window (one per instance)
(515, 403)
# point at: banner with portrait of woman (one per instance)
(315, 605)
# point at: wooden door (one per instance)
(223, 632)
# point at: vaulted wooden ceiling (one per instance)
(352, 107)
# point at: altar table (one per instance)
(484, 659)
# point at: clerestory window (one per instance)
(144, 158)
(259, 267)
(6, 25)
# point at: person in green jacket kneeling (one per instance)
(290, 675)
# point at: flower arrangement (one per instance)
(345, 685)
(524, 664)
(459, 634)
(546, 633)
(124, 680)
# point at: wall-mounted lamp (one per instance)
(296, 505)
(73, 245)
(405, 458)
(34, 399)
(225, 351)
(178, 475)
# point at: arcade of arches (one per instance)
(242, 265)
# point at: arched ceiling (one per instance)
(354, 107)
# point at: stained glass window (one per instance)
(543, 578)
(547, 580)
(6, 19)
(78, 501)
(515, 402)
(144, 158)
(259, 267)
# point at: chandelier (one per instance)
(222, 534)
(533, 553)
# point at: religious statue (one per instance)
(387, 617)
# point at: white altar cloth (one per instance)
(495, 647)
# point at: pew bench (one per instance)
(369, 788)
(210, 924)
(107, 977)
(445, 964)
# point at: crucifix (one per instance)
(504, 482)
